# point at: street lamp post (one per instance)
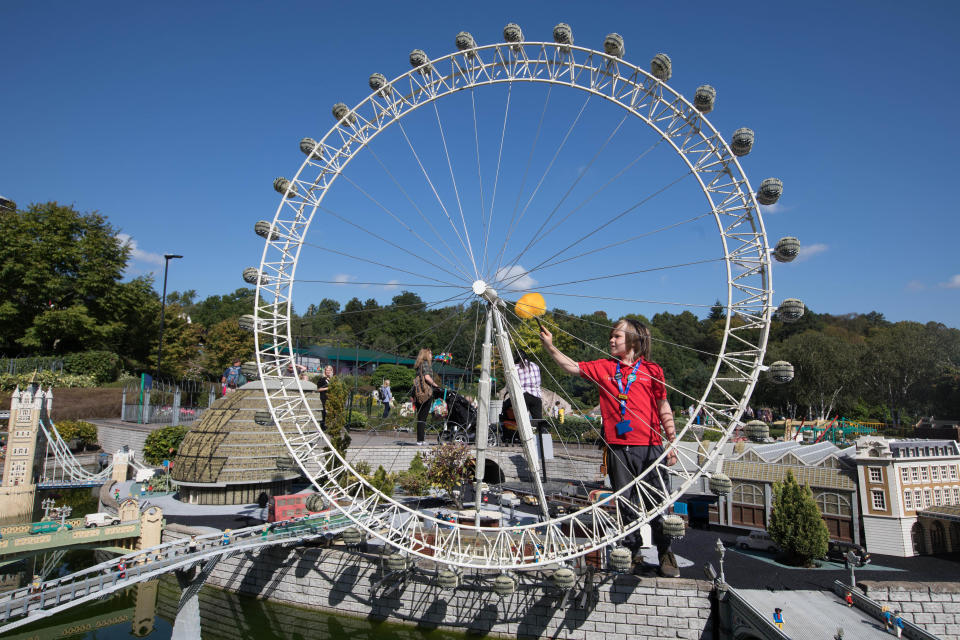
(163, 305)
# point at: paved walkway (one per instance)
(815, 615)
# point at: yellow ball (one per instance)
(531, 305)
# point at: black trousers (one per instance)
(423, 410)
(624, 464)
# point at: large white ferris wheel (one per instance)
(500, 169)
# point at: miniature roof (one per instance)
(819, 477)
(943, 512)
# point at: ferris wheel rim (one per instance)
(282, 292)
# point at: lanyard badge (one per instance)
(623, 427)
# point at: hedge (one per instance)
(104, 366)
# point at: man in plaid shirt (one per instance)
(529, 374)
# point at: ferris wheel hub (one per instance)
(485, 291)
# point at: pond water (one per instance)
(148, 611)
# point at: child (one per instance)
(634, 411)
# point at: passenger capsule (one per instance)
(513, 33)
(420, 61)
(613, 45)
(396, 562)
(757, 430)
(250, 371)
(247, 322)
(742, 142)
(721, 484)
(265, 230)
(308, 146)
(564, 578)
(563, 34)
(673, 526)
(465, 41)
(352, 536)
(341, 111)
(284, 187)
(504, 585)
(790, 310)
(781, 372)
(787, 249)
(251, 275)
(704, 98)
(317, 503)
(620, 560)
(661, 67)
(263, 418)
(770, 191)
(448, 580)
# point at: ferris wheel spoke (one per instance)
(546, 171)
(607, 223)
(352, 256)
(433, 188)
(483, 211)
(534, 239)
(496, 178)
(456, 191)
(526, 173)
(459, 266)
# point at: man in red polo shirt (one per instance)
(634, 410)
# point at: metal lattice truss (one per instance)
(67, 470)
(738, 363)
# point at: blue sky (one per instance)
(174, 118)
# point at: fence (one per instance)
(17, 366)
(165, 402)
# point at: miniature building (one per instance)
(24, 459)
(227, 458)
(907, 488)
(828, 470)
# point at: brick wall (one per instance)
(337, 581)
(933, 606)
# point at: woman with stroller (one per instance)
(424, 370)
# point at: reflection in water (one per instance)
(149, 610)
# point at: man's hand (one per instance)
(671, 458)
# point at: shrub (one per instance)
(10, 381)
(162, 444)
(104, 366)
(383, 482)
(413, 483)
(85, 433)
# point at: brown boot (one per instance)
(668, 565)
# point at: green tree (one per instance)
(215, 309)
(163, 444)
(336, 407)
(57, 268)
(225, 342)
(795, 522)
(383, 482)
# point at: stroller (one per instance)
(460, 425)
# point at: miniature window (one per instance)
(875, 474)
(915, 472)
(908, 500)
(956, 495)
(917, 499)
(943, 472)
(926, 498)
(924, 474)
(748, 494)
(937, 497)
(953, 472)
(879, 500)
(935, 473)
(905, 475)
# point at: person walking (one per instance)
(423, 388)
(849, 599)
(323, 387)
(778, 617)
(231, 377)
(887, 616)
(898, 623)
(225, 538)
(386, 396)
(636, 417)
